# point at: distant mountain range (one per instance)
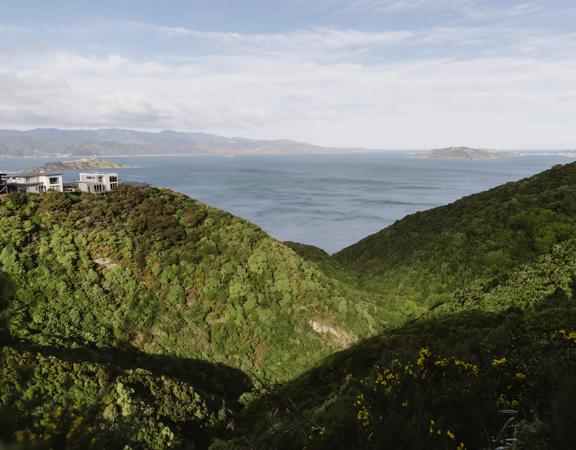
(117, 142)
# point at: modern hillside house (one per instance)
(35, 183)
(98, 182)
(3, 183)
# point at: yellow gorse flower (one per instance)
(498, 362)
(568, 337)
(423, 354)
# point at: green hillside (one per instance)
(492, 366)
(159, 272)
(548, 281)
(381, 311)
(62, 398)
(426, 256)
(145, 319)
(449, 382)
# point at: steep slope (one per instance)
(490, 367)
(460, 378)
(103, 397)
(492, 362)
(62, 398)
(164, 274)
(119, 311)
(427, 255)
(548, 281)
(380, 310)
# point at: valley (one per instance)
(202, 330)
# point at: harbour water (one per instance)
(330, 201)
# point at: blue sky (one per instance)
(372, 73)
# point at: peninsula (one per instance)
(464, 153)
(78, 164)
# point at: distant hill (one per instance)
(115, 142)
(79, 164)
(464, 153)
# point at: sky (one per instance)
(380, 74)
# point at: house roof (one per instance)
(35, 174)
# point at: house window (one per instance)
(113, 179)
(54, 180)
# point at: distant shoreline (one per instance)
(202, 154)
(568, 153)
(519, 153)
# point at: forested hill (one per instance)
(146, 319)
(427, 255)
(159, 272)
(140, 317)
(492, 367)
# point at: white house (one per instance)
(3, 184)
(36, 182)
(98, 182)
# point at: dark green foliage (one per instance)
(548, 281)
(378, 310)
(439, 383)
(117, 313)
(426, 256)
(59, 398)
(168, 275)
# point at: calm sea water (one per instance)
(330, 201)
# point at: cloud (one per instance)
(323, 44)
(471, 9)
(476, 85)
(492, 101)
(14, 29)
(317, 38)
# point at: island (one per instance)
(464, 153)
(78, 164)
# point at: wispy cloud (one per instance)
(322, 43)
(329, 44)
(484, 101)
(324, 38)
(501, 83)
(476, 9)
